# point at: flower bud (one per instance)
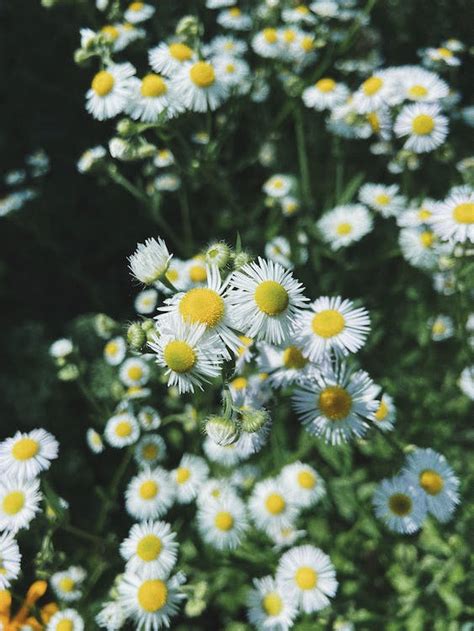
(188, 26)
(241, 259)
(104, 325)
(218, 254)
(252, 420)
(221, 430)
(70, 372)
(136, 336)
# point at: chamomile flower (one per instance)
(146, 301)
(196, 271)
(376, 92)
(151, 96)
(150, 601)
(266, 300)
(466, 381)
(122, 430)
(67, 619)
(270, 608)
(188, 357)
(134, 372)
(418, 214)
(303, 483)
(453, 219)
(164, 158)
(225, 455)
(149, 418)
(149, 494)
(150, 549)
(227, 46)
(94, 441)
(279, 251)
(67, 584)
(442, 328)
(298, 15)
(325, 8)
(386, 413)
(271, 506)
(421, 85)
(441, 56)
(115, 351)
(110, 91)
(423, 125)
(188, 477)
(308, 576)
(222, 523)
(267, 43)
(26, 455)
(429, 472)
(332, 324)
(344, 225)
(218, 4)
(234, 19)
(19, 502)
(400, 505)
(289, 205)
(285, 364)
(198, 86)
(326, 93)
(382, 198)
(61, 348)
(138, 12)
(285, 537)
(336, 404)
(150, 450)
(150, 261)
(419, 247)
(233, 72)
(10, 559)
(169, 58)
(278, 185)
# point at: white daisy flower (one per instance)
(419, 247)
(134, 372)
(225, 455)
(150, 261)
(61, 348)
(400, 505)
(189, 358)
(151, 96)
(111, 616)
(377, 91)
(421, 85)
(382, 198)
(25, 455)
(226, 45)
(115, 351)
(307, 575)
(442, 55)
(325, 8)
(138, 12)
(169, 58)
(267, 43)
(198, 86)
(332, 324)
(149, 494)
(418, 214)
(10, 559)
(326, 93)
(285, 537)
(234, 19)
(336, 405)
(271, 506)
(164, 158)
(150, 601)
(279, 251)
(423, 124)
(466, 381)
(188, 478)
(150, 549)
(67, 585)
(223, 522)
(127, 33)
(285, 365)
(289, 205)
(244, 353)
(110, 91)
(429, 472)
(298, 15)
(218, 4)
(386, 413)
(278, 185)
(122, 430)
(303, 483)
(270, 608)
(146, 301)
(453, 219)
(149, 418)
(442, 328)
(195, 271)
(90, 158)
(94, 441)
(232, 71)
(67, 619)
(266, 300)
(19, 502)
(168, 182)
(214, 490)
(345, 225)
(150, 450)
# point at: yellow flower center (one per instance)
(302, 9)
(427, 239)
(374, 122)
(293, 358)
(335, 403)
(152, 595)
(270, 35)
(326, 85)
(464, 213)
(344, 229)
(172, 275)
(224, 521)
(13, 502)
(307, 43)
(179, 356)
(110, 32)
(230, 68)
(123, 429)
(197, 273)
(383, 199)
(25, 448)
(444, 52)
(150, 452)
(103, 83)
(246, 342)
(136, 6)
(423, 124)
(203, 306)
(135, 372)
(181, 52)
(202, 74)
(239, 383)
(372, 85)
(149, 548)
(439, 328)
(235, 12)
(111, 349)
(182, 475)
(66, 584)
(400, 504)
(289, 35)
(424, 214)
(431, 482)
(65, 625)
(307, 479)
(153, 86)
(275, 504)
(382, 411)
(417, 91)
(328, 323)
(148, 490)
(272, 604)
(271, 297)
(306, 578)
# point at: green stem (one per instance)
(302, 157)
(82, 534)
(113, 490)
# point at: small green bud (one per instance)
(241, 259)
(117, 390)
(126, 127)
(194, 608)
(145, 150)
(223, 431)
(81, 56)
(188, 27)
(218, 254)
(136, 336)
(252, 420)
(104, 325)
(70, 372)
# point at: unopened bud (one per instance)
(241, 259)
(252, 420)
(218, 254)
(136, 336)
(70, 372)
(221, 430)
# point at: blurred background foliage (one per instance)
(64, 255)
